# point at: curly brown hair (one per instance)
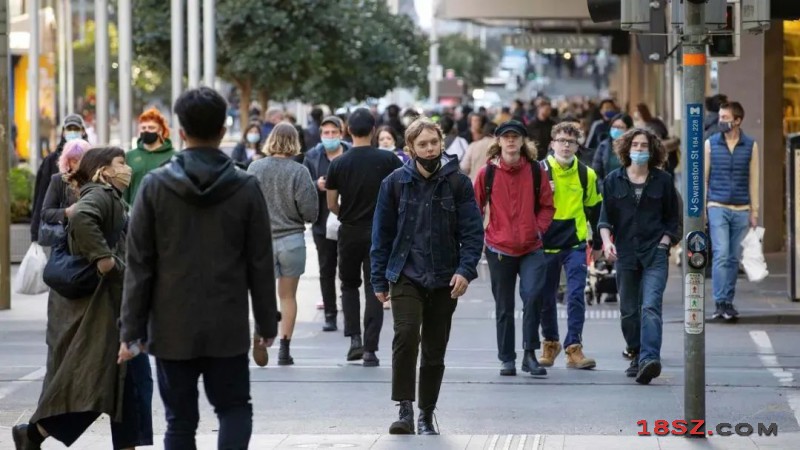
(528, 150)
(658, 154)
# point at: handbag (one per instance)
(72, 276)
(51, 234)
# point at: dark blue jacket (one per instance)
(312, 162)
(729, 174)
(453, 228)
(637, 228)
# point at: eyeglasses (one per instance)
(566, 142)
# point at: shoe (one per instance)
(425, 424)
(370, 360)
(729, 312)
(648, 370)
(387, 304)
(550, 350)
(633, 369)
(508, 369)
(19, 433)
(405, 424)
(719, 312)
(356, 351)
(320, 305)
(330, 324)
(531, 365)
(284, 357)
(260, 355)
(630, 354)
(576, 359)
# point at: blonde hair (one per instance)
(282, 140)
(417, 127)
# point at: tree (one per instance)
(466, 58)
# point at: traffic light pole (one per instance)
(5, 148)
(696, 241)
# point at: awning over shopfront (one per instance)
(513, 9)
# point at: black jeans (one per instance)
(354, 246)
(432, 309)
(227, 385)
(327, 254)
(504, 271)
(136, 428)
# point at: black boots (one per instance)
(330, 324)
(26, 437)
(370, 360)
(284, 357)
(356, 351)
(531, 365)
(405, 424)
(425, 424)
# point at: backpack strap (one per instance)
(536, 169)
(488, 181)
(583, 175)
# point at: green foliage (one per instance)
(464, 56)
(20, 181)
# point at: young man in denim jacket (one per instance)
(427, 238)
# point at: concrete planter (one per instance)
(20, 241)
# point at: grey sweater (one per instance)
(290, 194)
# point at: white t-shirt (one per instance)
(458, 148)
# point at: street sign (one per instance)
(694, 303)
(697, 241)
(694, 153)
(542, 41)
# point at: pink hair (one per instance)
(72, 151)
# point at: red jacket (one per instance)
(513, 228)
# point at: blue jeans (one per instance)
(574, 263)
(641, 294)
(504, 271)
(227, 385)
(728, 229)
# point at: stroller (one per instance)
(601, 279)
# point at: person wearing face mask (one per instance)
(386, 139)
(600, 128)
(433, 205)
(248, 147)
(153, 149)
(732, 171)
(82, 333)
(73, 128)
(574, 193)
(317, 161)
(639, 221)
(605, 158)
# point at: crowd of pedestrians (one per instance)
(397, 203)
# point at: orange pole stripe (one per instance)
(694, 59)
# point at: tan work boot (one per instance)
(576, 358)
(550, 350)
(260, 355)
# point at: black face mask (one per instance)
(430, 165)
(148, 138)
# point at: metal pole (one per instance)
(696, 241)
(70, 71)
(34, 147)
(433, 69)
(61, 17)
(5, 135)
(176, 13)
(101, 70)
(209, 44)
(193, 19)
(124, 14)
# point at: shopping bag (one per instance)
(332, 227)
(755, 266)
(29, 280)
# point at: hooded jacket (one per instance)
(199, 241)
(142, 161)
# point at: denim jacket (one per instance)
(638, 228)
(454, 236)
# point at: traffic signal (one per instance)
(609, 10)
(725, 43)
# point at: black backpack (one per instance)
(537, 184)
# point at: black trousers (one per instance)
(354, 246)
(414, 307)
(227, 385)
(327, 255)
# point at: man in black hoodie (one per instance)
(199, 240)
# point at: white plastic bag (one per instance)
(332, 227)
(755, 266)
(29, 280)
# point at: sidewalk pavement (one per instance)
(480, 442)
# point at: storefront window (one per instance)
(791, 77)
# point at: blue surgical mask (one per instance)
(72, 135)
(253, 137)
(615, 133)
(640, 158)
(331, 144)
